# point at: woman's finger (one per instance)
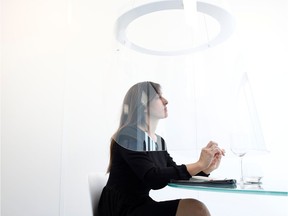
(211, 144)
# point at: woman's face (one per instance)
(157, 106)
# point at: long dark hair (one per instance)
(135, 108)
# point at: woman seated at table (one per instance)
(139, 161)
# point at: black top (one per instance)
(133, 174)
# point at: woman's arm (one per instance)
(154, 174)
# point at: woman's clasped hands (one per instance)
(210, 157)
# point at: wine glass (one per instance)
(240, 148)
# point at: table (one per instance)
(256, 189)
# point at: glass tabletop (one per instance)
(257, 189)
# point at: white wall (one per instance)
(32, 94)
(63, 78)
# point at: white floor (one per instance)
(225, 204)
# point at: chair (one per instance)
(96, 181)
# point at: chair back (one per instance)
(96, 181)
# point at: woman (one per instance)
(140, 162)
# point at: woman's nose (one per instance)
(165, 102)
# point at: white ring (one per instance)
(224, 18)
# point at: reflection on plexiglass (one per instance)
(246, 135)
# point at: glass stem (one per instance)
(241, 164)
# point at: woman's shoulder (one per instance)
(130, 138)
(133, 138)
(130, 132)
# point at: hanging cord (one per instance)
(133, 4)
(206, 29)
